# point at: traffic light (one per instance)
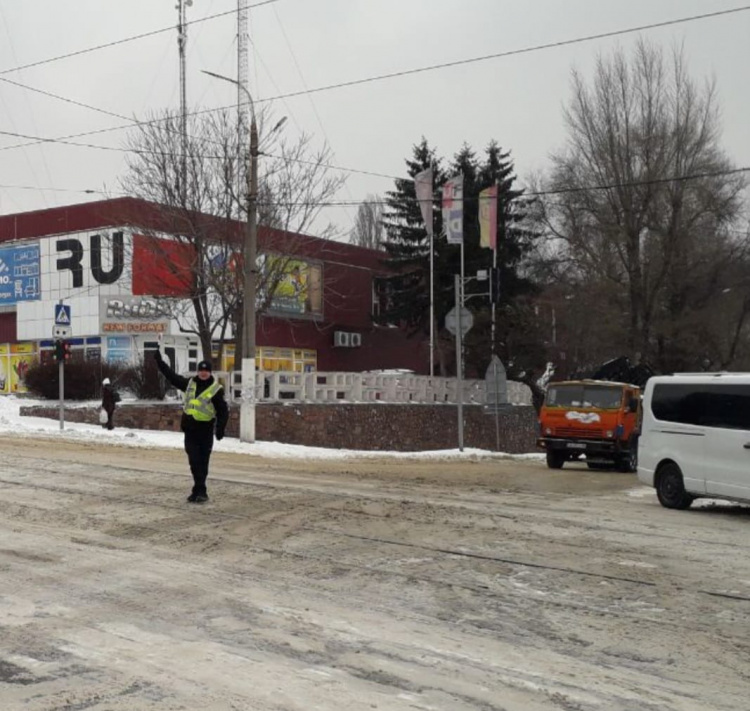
(61, 350)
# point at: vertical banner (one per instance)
(488, 217)
(423, 190)
(453, 209)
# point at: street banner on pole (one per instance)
(423, 189)
(453, 209)
(488, 217)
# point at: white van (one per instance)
(695, 437)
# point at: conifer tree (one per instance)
(407, 246)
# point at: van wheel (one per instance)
(555, 459)
(670, 488)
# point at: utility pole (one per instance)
(250, 273)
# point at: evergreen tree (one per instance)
(407, 245)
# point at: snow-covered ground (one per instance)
(11, 422)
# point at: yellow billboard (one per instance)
(295, 285)
(15, 361)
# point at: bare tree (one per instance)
(201, 211)
(368, 228)
(645, 198)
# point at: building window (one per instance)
(382, 297)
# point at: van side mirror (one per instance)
(633, 404)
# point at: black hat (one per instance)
(205, 365)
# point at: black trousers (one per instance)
(110, 418)
(198, 446)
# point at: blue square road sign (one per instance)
(62, 315)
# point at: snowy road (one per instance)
(360, 584)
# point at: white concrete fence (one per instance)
(316, 387)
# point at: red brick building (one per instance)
(94, 257)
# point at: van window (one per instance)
(726, 406)
(603, 397)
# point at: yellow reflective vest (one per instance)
(200, 407)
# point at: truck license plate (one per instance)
(575, 445)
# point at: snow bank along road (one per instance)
(361, 584)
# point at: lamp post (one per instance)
(249, 277)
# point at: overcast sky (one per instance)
(299, 45)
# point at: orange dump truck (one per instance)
(595, 418)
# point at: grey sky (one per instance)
(305, 44)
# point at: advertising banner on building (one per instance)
(19, 274)
(119, 349)
(15, 361)
(132, 315)
(296, 285)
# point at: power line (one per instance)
(132, 38)
(562, 191)
(355, 82)
(87, 191)
(64, 140)
(538, 193)
(512, 52)
(208, 156)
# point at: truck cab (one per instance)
(597, 419)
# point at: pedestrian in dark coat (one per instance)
(110, 398)
(204, 412)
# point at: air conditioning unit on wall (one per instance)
(341, 339)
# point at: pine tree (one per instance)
(407, 245)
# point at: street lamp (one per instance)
(249, 277)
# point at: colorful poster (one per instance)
(4, 370)
(453, 209)
(19, 274)
(296, 286)
(119, 349)
(19, 366)
(15, 361)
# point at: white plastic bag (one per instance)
(103, 416)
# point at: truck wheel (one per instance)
(555, 459)
(670, 488)
(628, 462)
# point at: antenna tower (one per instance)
(242, 62)
(181, 44)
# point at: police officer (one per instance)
(205, 410)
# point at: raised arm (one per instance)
(178, 381)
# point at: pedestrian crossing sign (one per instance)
(62, 315)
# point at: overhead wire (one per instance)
(307, 91)
(381, 77)
(512, 52)
(131, 38)
(312, 102)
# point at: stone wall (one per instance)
(405, 428)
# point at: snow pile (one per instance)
(12, 423)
